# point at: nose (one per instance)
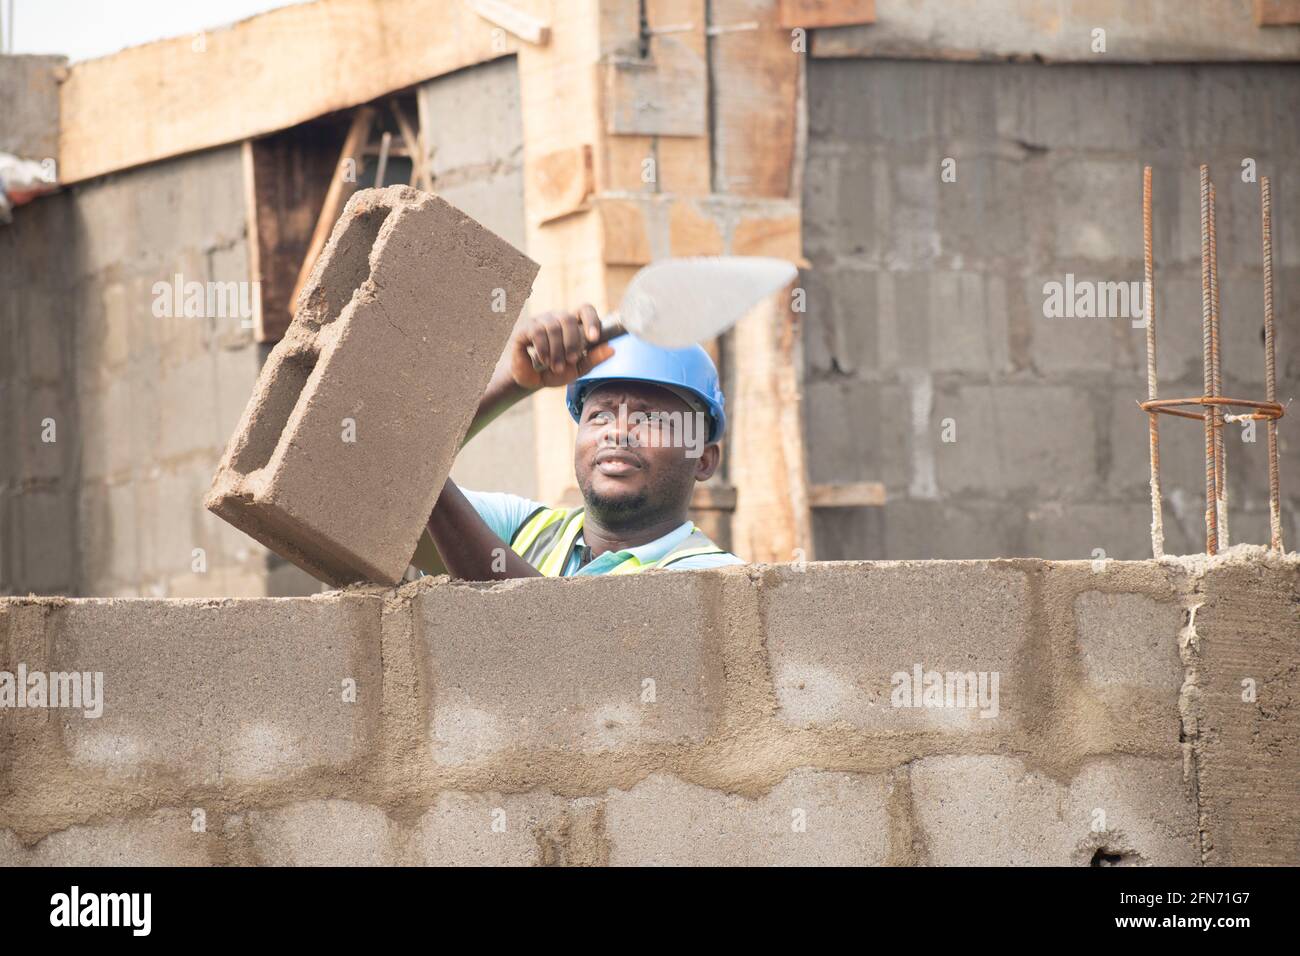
(620, 431)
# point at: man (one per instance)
(649, 422)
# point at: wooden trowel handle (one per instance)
(610, 328)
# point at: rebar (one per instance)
(1207, 365)
(1216, 364)
(1153, 427)
(1270, 367)
(1212, 404)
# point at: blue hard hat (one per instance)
(682, 370)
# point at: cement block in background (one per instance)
(1074, 531)
(950, 530)
(210, 693)
(838, 633)
(1136, 810)
(29, 88)
(581, 664)
(1244, 714)
(811, 818)
(47, 526)
(163, 838)
(396, 335)
(991, 453)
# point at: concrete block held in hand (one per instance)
(357, 416)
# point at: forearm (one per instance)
(467, 546)
(501, 394)
(548, 351)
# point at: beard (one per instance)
(614, 511)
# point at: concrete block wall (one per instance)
(29, 88)
(745, 716)
(925, 299)
(143, 403)
(38, 407)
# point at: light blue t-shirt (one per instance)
(504, 514)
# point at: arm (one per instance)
(562, 341)
(465, 546)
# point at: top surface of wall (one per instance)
(978, 712)
(1149, 31)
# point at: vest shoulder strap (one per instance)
(696, 544)
(545, 539)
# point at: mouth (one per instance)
(616, 463)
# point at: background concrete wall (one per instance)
(143, 404)
(1064, 31)
(29, 89)
(745, 717)
(472, 126)
(925, 299)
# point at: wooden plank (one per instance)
(683, 165)
(340, 189)
(664, 97)
(655, 164)
(692, 232)
(774, 232)
(714, 497)
(855, 494)
(755, 91)
(263, 74)
(253, 214)
(773, 521)
(625, 232)
(561, 183)
(712, 505)
(811, 14)
(1277, 13)
(665, 94)
(414, 147)
(523, 25)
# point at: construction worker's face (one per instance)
(640, 450)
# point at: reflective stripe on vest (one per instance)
(546, 540)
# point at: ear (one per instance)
(708, 462)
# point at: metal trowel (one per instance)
(674, 303)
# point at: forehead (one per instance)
(634, 393)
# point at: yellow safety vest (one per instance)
(547, 538)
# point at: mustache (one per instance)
(617, 453)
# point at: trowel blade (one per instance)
(674, 303)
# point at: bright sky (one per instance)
(84, 29)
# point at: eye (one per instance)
(600, 417)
